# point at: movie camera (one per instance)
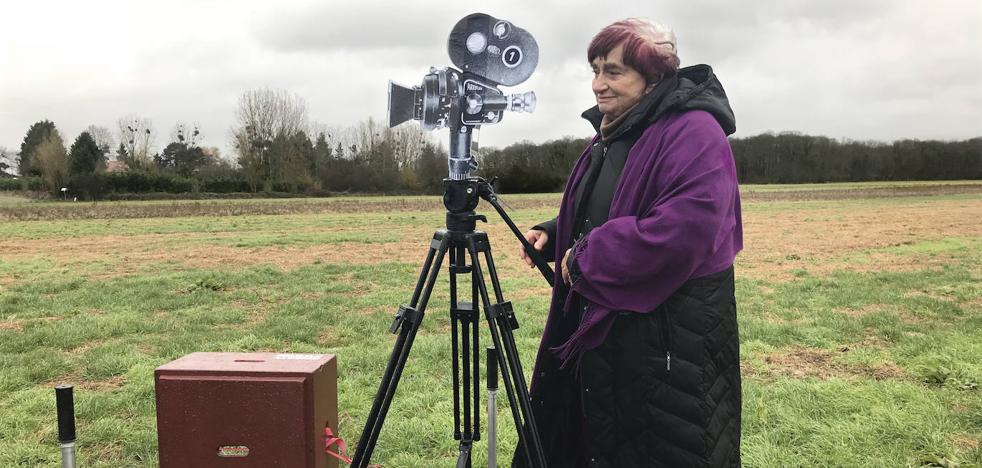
(489, 52)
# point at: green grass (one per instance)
(239, 225)
(10, 199)
(106, 330)
(853, 185)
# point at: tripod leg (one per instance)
(464, 342)
(476, 353)
(528, 437)
(407, 323)
(456, 262)
(464, 321)
(508, 325)
(466, 315)
(464, 459)
(466, 351)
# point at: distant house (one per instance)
(116, 166)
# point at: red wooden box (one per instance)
(246, 410)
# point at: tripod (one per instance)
(463, 242)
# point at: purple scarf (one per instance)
(675, 215)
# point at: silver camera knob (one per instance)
(524, 102)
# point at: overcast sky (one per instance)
(874, 69)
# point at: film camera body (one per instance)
(489, 52)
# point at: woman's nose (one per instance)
(599, 84)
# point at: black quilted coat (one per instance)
(682, 361)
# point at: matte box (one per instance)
(246, 410)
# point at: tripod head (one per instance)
(462, 196)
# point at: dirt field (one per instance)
(780, 238)
(159, 209)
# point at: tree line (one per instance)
(278, 150)
(783, 158)
(792, 158)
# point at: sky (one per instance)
(850, 69)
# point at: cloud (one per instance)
(349, 27)
(874, 69)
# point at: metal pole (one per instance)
(68, 455)
(66, 424)
(492, 372)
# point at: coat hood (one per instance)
(691, 88)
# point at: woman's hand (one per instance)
(562, 266)
(538, 239)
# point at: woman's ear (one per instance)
(651, 86)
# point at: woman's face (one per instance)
(617, 87)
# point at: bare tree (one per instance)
(250, 159)
(343, 137)
(52, 160)
(267, 122)
(268, 114)
(407, 141)
(185, 134)
(103, 138)
(137, 135)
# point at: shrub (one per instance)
(32, 184)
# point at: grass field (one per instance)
(860, 313)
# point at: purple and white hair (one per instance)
(649, 47)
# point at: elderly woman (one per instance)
(639, 360)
